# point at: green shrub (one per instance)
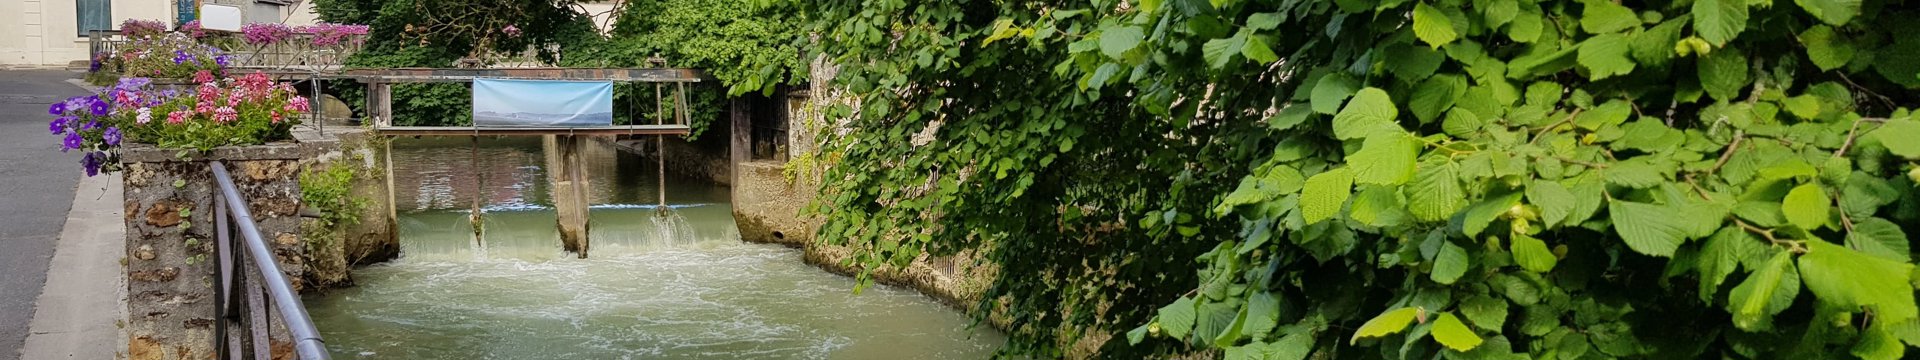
(330, 190)
(1365, 179)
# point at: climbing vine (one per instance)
(1361, 179)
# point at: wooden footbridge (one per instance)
(565, 167)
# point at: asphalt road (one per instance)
(36, 189)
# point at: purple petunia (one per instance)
(71, 142)
(132, 83)
(59, 124)
(112, 137)
(90, 125)
(99, 107)
(222, 60)
(57, 109)
(92, 162)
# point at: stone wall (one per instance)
(768, 197)
(704, 158)
(171, 253)
(170, 238)
(336, 251)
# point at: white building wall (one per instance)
(44, 32)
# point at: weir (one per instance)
(494, 226)
(677, 287)
(561, 144)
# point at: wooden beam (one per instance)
(428, 75)
(680, 130)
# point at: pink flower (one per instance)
(327, 34)
(203, 107)
(203, 77)
(225, 115)
(145, 115)
(193, 28)
(276, 116)
(266, 33)
(138, 28)
(511, 31)
(124, 98)
(299, 104)
(208, 91)
(177, 117)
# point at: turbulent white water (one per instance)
(676, 287)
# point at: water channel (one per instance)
(676, 287)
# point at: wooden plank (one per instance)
(425, 75)
(680, 130)
(741, 134)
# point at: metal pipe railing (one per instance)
(306, 339)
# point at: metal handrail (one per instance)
(232, 209)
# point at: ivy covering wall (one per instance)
(1397, 179)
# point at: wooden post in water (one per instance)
(660, 154)
(569, 178)
(479, 191)
(393, 212)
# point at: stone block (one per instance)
(156, 275)
(163, 213)
(332, 108)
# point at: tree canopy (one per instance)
(1279, 179)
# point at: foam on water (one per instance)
(680, 286)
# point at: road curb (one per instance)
(83, 305)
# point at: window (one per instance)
(184, 11)
(94, 15)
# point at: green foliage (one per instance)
(426, 33)
(330, 190)
(1588, 179)
(247, 110)
(749, 47)
(170, 56)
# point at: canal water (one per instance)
(676, 287)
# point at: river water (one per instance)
(681, 286)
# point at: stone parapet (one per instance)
(170, 232)
(171, 250)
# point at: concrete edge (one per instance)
(83, 304)
(83, 85)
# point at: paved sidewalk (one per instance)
(83, 306)
(37, 186)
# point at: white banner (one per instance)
(542, 103)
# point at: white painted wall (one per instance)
(43, 32)
(300, 13)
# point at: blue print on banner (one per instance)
(542, 103)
